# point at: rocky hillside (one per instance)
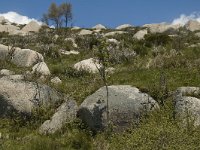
(99, 88)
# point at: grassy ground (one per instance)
(158, 130)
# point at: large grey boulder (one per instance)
(66, 113)
(187, 104)
(126, 105)
(32, 26)
(23, 97)
(26, 57)
(20, 57)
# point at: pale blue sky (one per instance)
(110, 13)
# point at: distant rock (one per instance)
(75, 28)
(187, 104)
(193, 25)
(73, 42)
(126, 105)
(11, 29)
(113, 41)
(197, 34)
(160, 28)
(140, 34)
(56, 80)
(6, 72)
(41, 68)
(114, 33)
(99, 27)
(124, 26)
(4, 21)
(91, 65)
(85, 32)
(55, 37)
(23, 96)
(72, 52)
(32, 26)
(66, 113)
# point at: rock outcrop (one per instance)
(160, 28)
(32, 26)
(193, 25)
(126, 105)
(124, 26)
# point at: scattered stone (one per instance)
(6, 72)
(41, 69)
(110, 70)
(56, 80)
(69, 52)
(91, 65)
(113, 41)
(126, 105)
(66, 113)
(73, 42)
(140, 34)
(56, 37)
(114, 33)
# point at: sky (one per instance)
(111, 13)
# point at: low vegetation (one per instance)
(161, 64)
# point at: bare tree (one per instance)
(66, 9)
(45, 19)
(55, 14)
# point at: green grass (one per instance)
(158, 130)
